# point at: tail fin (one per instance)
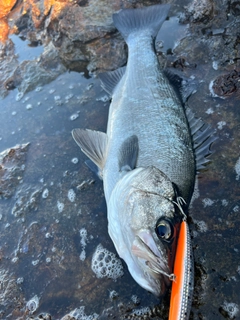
(131, 20)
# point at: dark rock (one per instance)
(87, 36)
(43, 316)
(24, 22)
(200, 11)
(72, 55)
(235, 7)
(227, 84)
(27, 201)
(107, 54)
(8, 287)
(8, 62)
(12, 167)
(88, 23)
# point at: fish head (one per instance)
(144, 225)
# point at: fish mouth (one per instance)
(152, 261)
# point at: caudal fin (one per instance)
(131, 20)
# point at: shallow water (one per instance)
(26, 50)
(56, 217)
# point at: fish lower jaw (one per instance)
(149, 256)
(149, 283)
(150, 275)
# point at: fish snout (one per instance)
(153, 261)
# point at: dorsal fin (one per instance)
(93, 144)
(128, 153)
(183, 86)
(110, 79)
(203, 136)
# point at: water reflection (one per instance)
(26, 50)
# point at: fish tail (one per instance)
(149, 18)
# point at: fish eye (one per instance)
(164, 229)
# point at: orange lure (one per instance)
(182, 286)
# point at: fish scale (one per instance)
(154, 108)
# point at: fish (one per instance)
(150, 154)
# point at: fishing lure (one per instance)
(182, 285)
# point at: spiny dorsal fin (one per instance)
(110, 79)
(203, 136)
(93, 144)
(128, 154)
(183, 86)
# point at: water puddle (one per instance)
(170, 34)
(26, 50)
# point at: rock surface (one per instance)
(12, 167)
(78, 35)
(74, 34)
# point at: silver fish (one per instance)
(149, 155)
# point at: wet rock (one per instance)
(10, 295)
(24, 23)
(78, 314)
(38, 11)
(42, 316)
(199, 11)
(87, 36)
(87, 23)
(130, 311)
(27, 201)
(225, 48)
(227, 84)
(107, 54)
(31, 74)
(80, 34)
(181, 63)
(71, 54)
(8, 62)
(12, 167)
(216, 41)
(235, 7)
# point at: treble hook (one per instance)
(179, 203)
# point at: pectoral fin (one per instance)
(93, 144)
(128, 153)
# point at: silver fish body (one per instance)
(149, 155)
(145, 104)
